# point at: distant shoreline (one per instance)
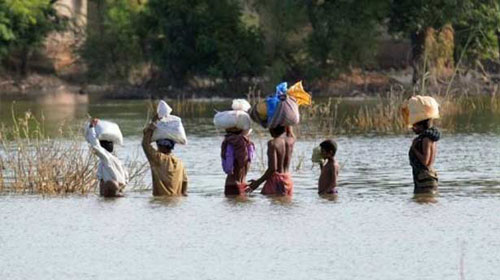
(355, 85)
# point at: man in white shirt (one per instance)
(112, 176)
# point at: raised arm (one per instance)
(91, 138)
(150, 152)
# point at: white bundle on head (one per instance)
(107, 131)
(241, 105)
(163, 109)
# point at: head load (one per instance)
(281, 108)
(236, 119)
(168, 127)
(108, 133)
(419, 108)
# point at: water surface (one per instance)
(374, 230)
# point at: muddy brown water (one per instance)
(374, 230)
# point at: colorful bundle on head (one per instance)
(284, 100)
(301, 96)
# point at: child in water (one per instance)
(236, 152)
(422, 157)
(327, 183)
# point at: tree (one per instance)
(344, 33)
(201, 38)
(478, 31)
(285, 27)
(24, 25)
(113, 46)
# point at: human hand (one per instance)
(254, 184)
(155, 118)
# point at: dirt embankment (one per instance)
(355, 84)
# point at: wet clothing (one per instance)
(167, 171)
(110, 168)
(327, 183)
(278, 184)
(110, 189)
(425, 179)
(239, 144)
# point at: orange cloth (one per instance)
(278, 184)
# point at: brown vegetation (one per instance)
(32, 162)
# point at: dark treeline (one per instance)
(238, 42)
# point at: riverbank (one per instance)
(355, 84)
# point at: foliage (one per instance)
(344, 33)
(477, 29)
(476, 23)
(285, 27)
(407, 16)
(24, 25)
(113, 47)
(201, 38)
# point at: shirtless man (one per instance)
(422, 156)
(279, 155)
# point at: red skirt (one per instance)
(278, 184)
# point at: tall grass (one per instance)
(382, 114)
(33, 162)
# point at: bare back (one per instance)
(280, 152)
(432, 151)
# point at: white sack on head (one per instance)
(241, 104)
(232, 119)
(170, 127)
(108, 131)
(163, 110)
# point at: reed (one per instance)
(33, 162)
(382, 114)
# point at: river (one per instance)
(374, 230)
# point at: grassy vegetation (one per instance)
(33, 162)
(382, 114)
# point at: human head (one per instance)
(277, 131)
(107, 145)
(328, 148)
(422, 126)
(233, 130)
(165, 146)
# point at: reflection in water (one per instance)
(425, 198)
(237, 200)
(160, 201)
(330, 197)
(62, 107)
(285, 200)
